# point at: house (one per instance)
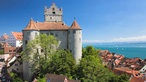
(58, 78)
(14, 65)
(137, 77)
(3, 38)
(143, 70)
(15, 39)
(8, 49)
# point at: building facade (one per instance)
(3, 38)
(69, 37)
(15, 39)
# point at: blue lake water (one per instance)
(129, 50)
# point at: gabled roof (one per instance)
(31, 25)
(17, 35)
(73, 81)
(55, 78)
(75, 25)
(58, 78)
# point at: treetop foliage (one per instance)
(61, 62)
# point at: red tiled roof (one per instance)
(52, 26)
(73, 81)
(46, 26)
(31, 25)
(58, 78)
(17, 35)
(55, 78)
(123, 70)
(117, 61)
(137, 77)
(5, 36)
(75, 25)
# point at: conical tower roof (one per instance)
(75, 25)
(31, 25)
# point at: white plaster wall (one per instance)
(75, 44)
(61, 37)
(28, 35)
(18, 43)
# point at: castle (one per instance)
(69, 37)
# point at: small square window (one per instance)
(51, 34)
(16, 64)
(74, 31)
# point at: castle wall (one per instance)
(27, 36)
(53, 18)
(53, 14)
(75, 43)
(60, 35)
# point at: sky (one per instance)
(100, 20)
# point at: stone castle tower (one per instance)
(53, 14)
(69, 37)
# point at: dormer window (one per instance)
(53, 12)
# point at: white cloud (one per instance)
(130, 39)
(93, 41)
(121, 39)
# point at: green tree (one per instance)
(119, 78)
(123, 78)
(39, 51)
(90, 69)
(1, 51)
(15, 77)
(89, 50)
(62, 62)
